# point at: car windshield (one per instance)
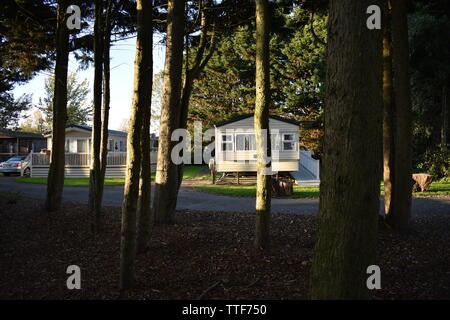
(15, 159)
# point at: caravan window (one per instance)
(227, 142)
(111, 145)
(122, 146)
(288, 142)
(245, 142)
(81, 146)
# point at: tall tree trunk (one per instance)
(351, 162)
(388, 114)
(399, 218)
(144, 210)
(200, 61)
(55, 183)
(444, 129)
(95, 196)
(106, 99)
(166, 171)
(262, 105)
(131, 190)
(184, 106)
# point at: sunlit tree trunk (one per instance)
(352, 154)
(131, 190)
(203, 54)
(56, 171)
(400, 216)
(262, 105)
(166, 182)
(144, 210)
(388, 114)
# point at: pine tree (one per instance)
(227, 86)
(429, 31)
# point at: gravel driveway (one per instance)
(190, 199)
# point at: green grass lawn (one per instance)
(437, 188)
(189, 173)
(73, 182)
(250, 191)
(197, 172)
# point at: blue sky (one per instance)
(122, 59)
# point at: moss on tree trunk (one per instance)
(262, 105)
(166, 182)
(352, 153)
(132, 179)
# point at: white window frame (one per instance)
(66, 145)
(122, 146)
(231, 141)
(86, 144)
(244, 134)
(293, 141)
(111, 144)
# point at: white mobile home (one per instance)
(78, 140)
(235, 145)
(78, 153)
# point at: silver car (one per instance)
(15, 165)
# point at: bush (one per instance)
(436, 162)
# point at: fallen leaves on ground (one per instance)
(205, 255)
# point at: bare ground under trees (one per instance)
(207, 255)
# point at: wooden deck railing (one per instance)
(84, 159)
(77, 159)
(80, 159)
(40, 159)
(116, 159)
